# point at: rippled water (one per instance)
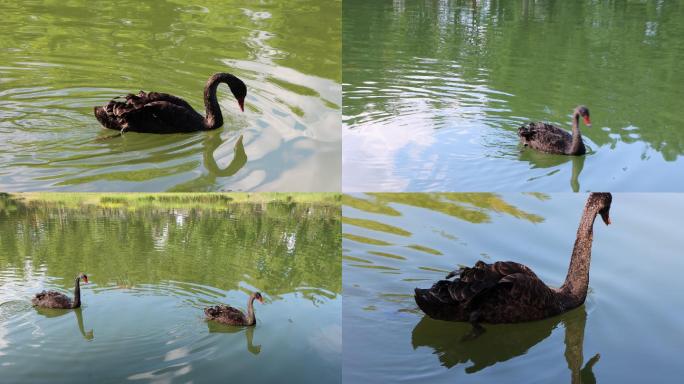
(153, 268)
(631, 319)
(59, 60)
(434, 92)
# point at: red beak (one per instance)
(85, 279)
(587, 121)
(242, 104)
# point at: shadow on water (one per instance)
(52, 312)
(215, 327)
(545, 160)
(504, 342)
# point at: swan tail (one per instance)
(526, 133)
(110, 115)
(424, 300)
(100, 114)
(212, 312)
(435, 304)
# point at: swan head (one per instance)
(584, 112)
(237, 87)
(601, 201)
(257, 295)
(239, 90)
(83, 277)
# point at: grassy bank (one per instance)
(171, 200)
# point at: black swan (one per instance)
(225, 314)
(508, 292)
(163, 113)
(53, 299)
(549, 138)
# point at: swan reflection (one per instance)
(545, 160)
(215, 327)
(51, 312)
(211, 143)
(504, 342)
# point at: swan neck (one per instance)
(577, 280)
(577, 146)
(251, 318)
(213, 118)
(77, 293)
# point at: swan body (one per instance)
(156, 112)
(54, 299)
(509, 292)
(226, 314)
(549, 138)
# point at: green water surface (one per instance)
(153, 265)
(628, 331)
(434, 92)
(60, 59)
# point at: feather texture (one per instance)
(52, 299)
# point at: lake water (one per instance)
(153, 266)
(393, 243)
(59, 60)
(434, 92)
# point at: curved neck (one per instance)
(577, 280)
(77, 293)
(576, 146)
(251, 318)
(214, 118)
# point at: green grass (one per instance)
(173, 200)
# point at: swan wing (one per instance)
(481, 278)
(225, 312)
(471, 282)
(545, 135)
(160, 116)
(504, 291)
(454, 299)
(51, 299)
(505, 268)
(519, 290)
(143, 98)
(478, 281)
